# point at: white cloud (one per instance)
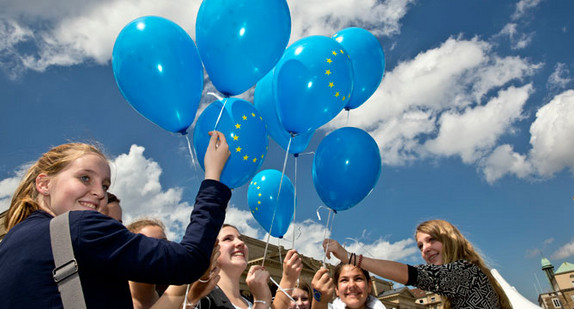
(565, 251)
(502, 161)
(476, 130)
(560, 78)
(69, 33)
(552, 135)
(517, 40)
(317, 17)
(523, 6)
(552, 141)
(438, 92)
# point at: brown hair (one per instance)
(339, 268)
(25, 198)
(457, 247)
(137, 226)
(112, 198)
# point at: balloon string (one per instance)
(294, 200)
(191, 154)
(185, 299)
(280, 257)
(275, 209)
(282, 290)
(221, 111)
(327, 228)
(265, 252)
(348, 116)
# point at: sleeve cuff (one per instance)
(413, 274)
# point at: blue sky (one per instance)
(473, 119)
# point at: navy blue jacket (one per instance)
(108, 255)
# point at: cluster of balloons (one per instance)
(159, 71)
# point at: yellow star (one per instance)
(344, 98)
(258, 202)
(255, 182)
(235, 137)
(259, 194)
(238, 126)
(245, 158)
(337, 94)
(331, 85)
(334, 53)
(329, 60)
(262, 156)
(258, 188)
(254, 160)
(342, 52)
(238, 149)
(244, 117)
(260, 118)
(252, 114)
(328, 72)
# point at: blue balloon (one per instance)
(272, 207)
(346, 167)
(264, 100)
(313, 81)
(158, 71)
(240, 41)
(245, 133)
(368, 61)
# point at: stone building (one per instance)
(561, 294)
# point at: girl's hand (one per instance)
(216, 155)
(333, 246)
(323, 286)
(258, 282)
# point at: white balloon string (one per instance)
(215, 95)
(265, 252)
(327, 228)
(294, 202)
(185, 298)
(280, 256)
(192, 155)
(307, 153)
(348, 116)
(220, 113)
(282, 289)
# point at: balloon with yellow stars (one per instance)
(271, 200)
(313, 81)
(245, 133)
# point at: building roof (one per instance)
(418, 293)
(565, 268)
(545, 263)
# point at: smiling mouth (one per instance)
(88, 205)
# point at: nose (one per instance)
(99, 192)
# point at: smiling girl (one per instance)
(75, 177)
(232, 261)
(454, 269)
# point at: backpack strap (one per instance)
(66, 272)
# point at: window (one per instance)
(572, 297)
(556, 303)
(572, 279)
(432, 299)
(422, 301)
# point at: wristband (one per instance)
(360, 260)
(317, 295)
(261, 301)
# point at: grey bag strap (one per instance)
(66, 272)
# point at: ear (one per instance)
(336, 290)
(370, 287)
(43, 184)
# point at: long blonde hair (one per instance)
(25, 198)
(457, 247)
